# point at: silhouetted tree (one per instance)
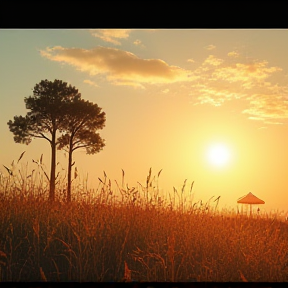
(47, 106)
(82, 121)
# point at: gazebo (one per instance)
(250, 199)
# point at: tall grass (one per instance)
(121, 233)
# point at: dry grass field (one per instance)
(135, 237)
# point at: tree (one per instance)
(82, 120)
(47, 106)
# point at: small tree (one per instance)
(46, 116)
(82, 121)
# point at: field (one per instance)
(135, 237)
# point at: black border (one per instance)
(144, 14)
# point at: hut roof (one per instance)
(250, 199)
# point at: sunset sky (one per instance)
(170, 96)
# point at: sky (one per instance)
(171, 96)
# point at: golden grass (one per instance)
(138, 238)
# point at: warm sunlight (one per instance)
(218, 155)
(145, 146)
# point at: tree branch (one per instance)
(80, 125)
(42, 136)
(45, 137)
(76, 142)
(81, 146)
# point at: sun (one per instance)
(218, 155)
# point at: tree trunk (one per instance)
(69, 176)
(53, 168)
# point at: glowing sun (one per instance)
(218, 155)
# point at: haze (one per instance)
(168, 96)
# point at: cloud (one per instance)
(233, 54)
(137, 42)
(215, 96)
(268, 107)
(212, 60)
(215, 70)
(190, 60)
(118, 66)
(256, 118)
(210, 47)
(111, 35)
(249, 74)
(214, 82)
(91, 83)
(274, 123)
(219, 81)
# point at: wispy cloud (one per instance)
(165, 91)
(250, 74)
(214, 94)
(215, 81)
(233, 54)
(190, 60)
(111, 35)
(220, 80)
(91, 83)
(138, 42)
(118, 66)
(268, 107)
(212, 60)
(210, 47)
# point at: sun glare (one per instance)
(218, 155)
